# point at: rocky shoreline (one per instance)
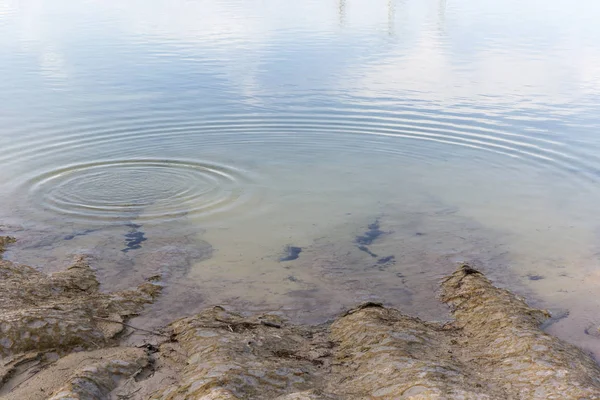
(61, 337)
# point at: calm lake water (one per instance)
(305, 156)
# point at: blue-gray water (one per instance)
(198, 139)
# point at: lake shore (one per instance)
(64, 338)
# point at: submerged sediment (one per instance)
(61, 338)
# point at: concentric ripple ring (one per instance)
(145, 190)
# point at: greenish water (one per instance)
(199, 140)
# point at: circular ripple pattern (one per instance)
(142, 190)
(334, 128)
(350, 136)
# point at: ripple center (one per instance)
(150, 190)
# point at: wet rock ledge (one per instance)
(62, 338)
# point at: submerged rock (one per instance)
(370, 235)
(134, 238)
(5, 241)
(291, 253)
(57, 344)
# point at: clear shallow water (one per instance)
(199, 139)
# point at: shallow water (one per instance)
(199, 139)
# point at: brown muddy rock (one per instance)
(384, 354)
(80, 375)
(96, 381)
(62, 311)
(500, 338)
(232, 357)
(494, 349)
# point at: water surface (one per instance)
(305, 156)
